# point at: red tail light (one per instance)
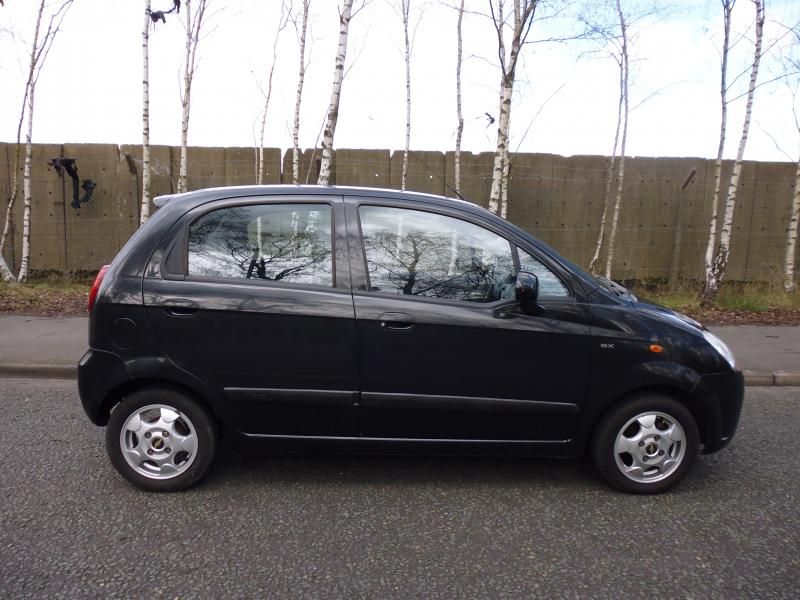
(96, 286)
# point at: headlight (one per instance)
(720, 347)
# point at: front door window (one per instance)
(416, 253)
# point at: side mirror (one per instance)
(527, 291)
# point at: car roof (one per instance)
(194, 198)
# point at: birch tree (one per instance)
(403, 8)
(789, 283)
(519, 27)
(151, 18)
(617, 25)
(144, 211)
(346, 13)
(283, 20)
(793, 66)
(301, 76)
(459, 114)
(727, 10)
(195, 12)
(593, 264)
(41, 45)
(624, 69)
(5, 272)
(719, 264)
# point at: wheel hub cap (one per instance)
(650, 447)
(158, 441)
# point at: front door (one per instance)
(262, 314)
(444, 350)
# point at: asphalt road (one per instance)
(390, 527)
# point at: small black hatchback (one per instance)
(349, 318)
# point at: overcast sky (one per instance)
(90, 89)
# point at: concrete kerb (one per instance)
(39, 371)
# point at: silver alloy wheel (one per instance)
(158, 441)
(650, 447)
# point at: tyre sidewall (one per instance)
(204, 427)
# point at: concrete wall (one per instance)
(662, 229)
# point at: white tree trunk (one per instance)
(609, 178)
(336, 91)
(36, 54)
(625, 65)
(299, 95)
(5, 273)
(24, 266)
(144, 212)
(523, 16)
(186, 100)
(460, 130)
(406, 7)
(506, 174)
(720, 262)
(267, 96)
(727, 8)
(499, 168)
(194, 23)
(791, 237)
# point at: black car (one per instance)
(345, 318)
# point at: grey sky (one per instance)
(90, 89)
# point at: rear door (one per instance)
(254, 298)
(444, 350)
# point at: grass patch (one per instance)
(737, 302)
(49, 296)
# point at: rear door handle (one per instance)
(180, 307)
(396, 321)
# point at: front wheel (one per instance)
(161, 440)
(646, 445)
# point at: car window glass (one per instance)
(418, 253)
(274, 242)
(549, 284)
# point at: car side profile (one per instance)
(355, 318)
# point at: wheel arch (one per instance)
(696, 407)
(128, 387)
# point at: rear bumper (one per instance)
(722, 396)
(98, 373)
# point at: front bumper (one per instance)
(722, 395)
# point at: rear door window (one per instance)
(271, 242)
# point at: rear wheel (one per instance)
(646, 445)
(161, 440)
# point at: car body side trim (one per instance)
(394, 400)
(293, 396)
(392, 440)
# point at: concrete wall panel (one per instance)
(662, 233)
(368, 168)
(309, 167)
(426, 172)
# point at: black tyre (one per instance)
(161, 440)
(645, 445)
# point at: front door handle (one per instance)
(396, 321)
(180, 307)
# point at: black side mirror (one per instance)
(527, 291)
